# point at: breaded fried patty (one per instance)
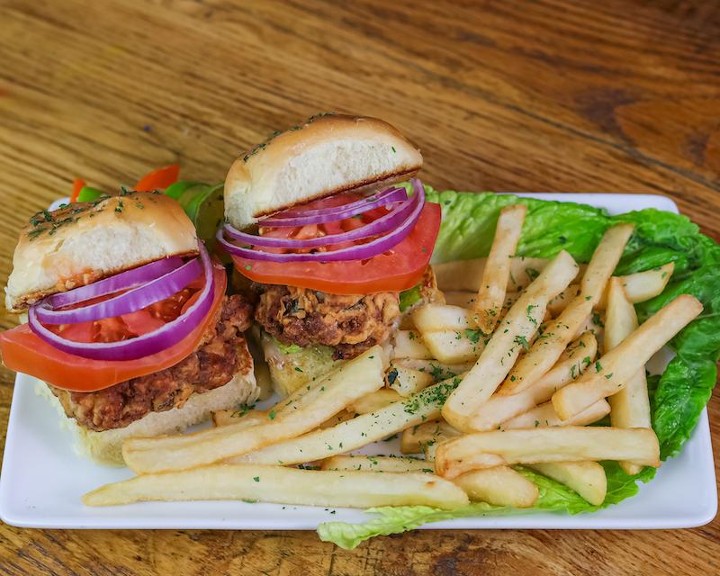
(218, 358)
(349, 323)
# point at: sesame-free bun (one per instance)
(326, 155)
(84, 242)
(106, 447)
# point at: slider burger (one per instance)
(128, 321)
(314, 221)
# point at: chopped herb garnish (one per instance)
(529, 310)
(522, 341)
(473, 335)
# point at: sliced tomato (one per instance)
(398, 269)
(138, 323)
(23, 351)
(141, 322)
(158, 179)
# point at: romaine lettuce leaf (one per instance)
(677, 397)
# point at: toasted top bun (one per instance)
(327, 155)
(82, 243)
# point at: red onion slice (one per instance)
(359, 252)
(292, 218)
(130, 301)
(122, 281)
(380, 226)
(144, 345)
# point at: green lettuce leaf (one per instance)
(410, 297)
(393, 520)
(677, 397)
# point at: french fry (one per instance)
(448, 332)
(499, 486)
(342, 416)
(355, 433)
(588, 479)
(560, 302)
(467, 299)
(407, 381)
(496, 273)
(415, 438)
(330, 395)
(569, 444)
(545, 415)
(374, 401)
(547, 348)
(442, 317)
(617, 366)
(573, 362)
(514, 334)
(409, 344)
(467, 274)
(438, 370)
(630, 408)
(604, 260)
(595, 325)
(377, 464)
(255, 417)
(643, 286)
(429, 448)
(455, 347)
(247, 419)
(284, 486)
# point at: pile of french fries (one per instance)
(523, 355)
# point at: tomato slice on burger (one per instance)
(23, 351)
(398, 269)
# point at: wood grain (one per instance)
(545, 96)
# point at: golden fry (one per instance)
(496, 274)
(611, 372)
(530, 446)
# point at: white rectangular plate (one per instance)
(43, 478)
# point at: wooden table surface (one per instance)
(545, 96)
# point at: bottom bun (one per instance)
(295, 367)
(106, 447)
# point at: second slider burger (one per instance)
(314, 221)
